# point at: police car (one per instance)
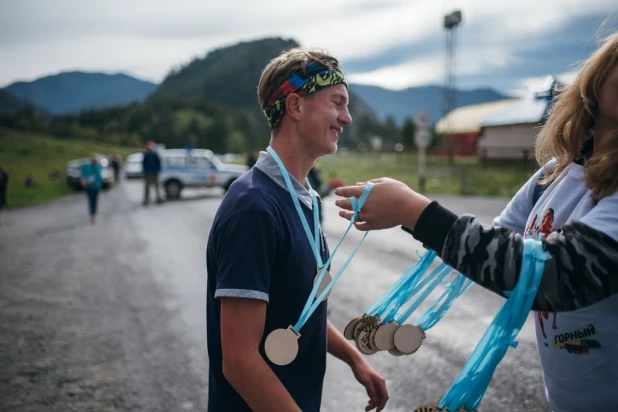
(182, 168)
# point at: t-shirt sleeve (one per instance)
(604, 216)
(515, 214)
(245, 253)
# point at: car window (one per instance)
(176, 161)
(200, 161)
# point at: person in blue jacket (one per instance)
(151, 165)
(91, 181)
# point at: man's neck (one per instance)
(296, 161)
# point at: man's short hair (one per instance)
(282, 67)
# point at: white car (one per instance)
(133, 165)
(74, 173)
(182, 168)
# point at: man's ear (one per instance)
(292, 106)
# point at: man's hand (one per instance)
(363, 372)
(390, 203)
(373, 382)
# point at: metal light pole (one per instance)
(451, 21)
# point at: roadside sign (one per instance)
(422, 137)
(423, 120)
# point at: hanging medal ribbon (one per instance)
(365, 329)
(281, 345)
(382, 329)
(470, 386)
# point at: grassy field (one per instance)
(24, 154)
(466, 176)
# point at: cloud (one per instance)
(483, 60)
(395, 39)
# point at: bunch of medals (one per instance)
(383, 327)
(468, 389)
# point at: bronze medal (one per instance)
(408, 339)
(325, 282)
(362, 343)
(372, 337)
(360, 325)
(395, 352)
(348, 332)
(281, 346)
(433, 407)
(385, 336)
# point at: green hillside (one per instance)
(10, 104)
(230, 75)
(24, 154)
(226, 75)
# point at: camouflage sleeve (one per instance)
(583, 269)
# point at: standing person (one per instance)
(251, 159)
(261, 266)
(4, 185)
(573, 202)
(91, 181)
(116, 164)
(151, 165)
(315, 179)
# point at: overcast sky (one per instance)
(505, 44)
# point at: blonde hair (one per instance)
(281, 68)
(572, 121)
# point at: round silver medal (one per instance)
(408, 339)
(385, 336)
(362, 343)
(360, 325)
(325, 282)
(281, 346)
(348, 332)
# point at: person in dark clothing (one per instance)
(315, 180)
(151, 164)
(251, 159)
(115, 163)
(4, 184)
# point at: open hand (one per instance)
(390, 203)
(374, 384)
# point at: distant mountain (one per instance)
(230, 75)
(408, 102)
(72, 92)
(11, 104)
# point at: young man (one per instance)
(261, 267)
(151, 165)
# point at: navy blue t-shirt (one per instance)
(258, 249)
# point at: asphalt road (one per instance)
(111, 317)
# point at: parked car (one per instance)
(195, 168)
(74, 172)
(133, 165)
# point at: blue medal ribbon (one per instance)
(438, 309)
(397, 295)
(470, 385)
(436, 277)
(314, 239)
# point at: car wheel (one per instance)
(173, 189)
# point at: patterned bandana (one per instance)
(318, 76)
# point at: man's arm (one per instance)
(373, 382)
(242, 324)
